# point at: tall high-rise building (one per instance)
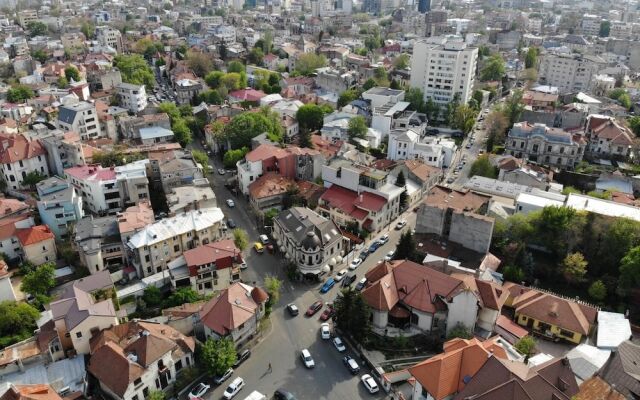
(442, 68)
(424, 6)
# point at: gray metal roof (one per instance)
(299, 221)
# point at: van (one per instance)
(255, 395)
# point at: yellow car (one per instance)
(259, 247)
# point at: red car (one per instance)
(314, 308)
(328, 312)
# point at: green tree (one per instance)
(240, 238)
(88, 30)
(218, 355)
(531, 58)
(152, 296)
(496, 124)
(514, 107)
(625, 101)
(369, 84)
(211, 97)
(526, 346)
(40, 280)
(415, 97)
(203, 159)
(634, 124)
(40, 55)
(62, 82)
(352, 314)
(255, 56)
(406, 248)
(71, 73)
(214, 79)
(562, 227)
(37, 28)
(630, 270)
(357, 128)
(231, 157)
(482, 167)
(401, 181)
(459, 331)
(156, 395)
(199, 63)
(310, 117)
(464, 118)
(181, 132)
(273, 286)
(17, 323)
(605, 28)
(26, 267)
(307, 63)
(269, 215)
(32, 178)
(513, 273)
(402, 61)
(244, 127)
(574, 267)
(182, 296)
(598, 291)
(347, 97)
(135, 70)
(19, 93)
(478, 96)
(494, 69)
(236, 66)
(484, 51)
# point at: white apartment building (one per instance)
(82, 118)
(621, 30)
(26, 16)
(590, 25)
(19, 156)
(569, 72)
(110, 190)
(108, 36)
(380, 96)
(406, 145)
(132, 97)
(442, 67)
(157, 244)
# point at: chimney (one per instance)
(361, 197)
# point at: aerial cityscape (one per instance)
(320, 199)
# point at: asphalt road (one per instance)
(287, 336)
(468, 156)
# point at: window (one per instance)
(138, 381)
(178, 365)
(566, 333)
(145, 392)
(134, 397)
(78, 335)
(176, 248)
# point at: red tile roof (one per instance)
(351, 204)
(247, 94)
(232, 308)
(270, 184)
(16, 147)
(30, 392)
(91, 172)
(34, 234)
(211, 253)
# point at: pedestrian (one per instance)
(270, 370)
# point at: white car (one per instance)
(401, 224)
(221, 171)
(369, 383)
(231, 203)
(325, 331)
(355, 264)
(199, 390)
(307, 359)
(243, 265)
(233, 388)
(339, 344)
(384, 239)
(390, 255)
(340, 275)
(264, 239)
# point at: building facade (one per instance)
(132, 97)
(544, 145)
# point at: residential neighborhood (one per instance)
(427, 200)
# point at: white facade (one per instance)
(14, 172)
(463, 310)
(569, 72)
(81, 118)
(108, 36)
(442, 68)
(406, 146)
(132, 97)
(248, 172)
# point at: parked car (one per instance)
(328, 285)
(339, 344)
(351, 364)
(219, 379)
(243, 265)
(363, 254)
(233, 388)
(340, 275)
(242, 357)
(355, 263)
(264, 239)
(348, 280)
(401, 224)
(258, 247)
(307, 359)
(390, 255)
(314, 308)
(361, 284)
(199, 390)
(231, 203)
(231, 223)
(374, 246)
(293, 309)
(328, 312)
(325, 331)
(282, 394)
(384, 238)
(369, 383)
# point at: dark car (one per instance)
(242, 357)
(231, 224)
(282, 394)
(293, 309)
(363, 254)
(314, 308)
(328, 312)
(374, 246)
(348, 280)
